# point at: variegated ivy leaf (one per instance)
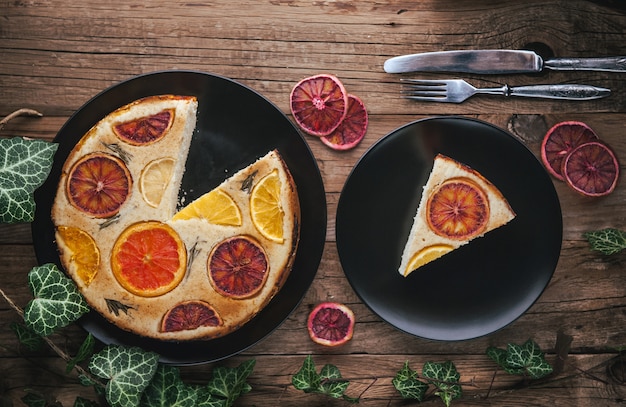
(230, 383)
(85, 350)
(306, 379)
(24, 166)
(445, 378)
(526, 359)
(168, 390)
(56, 303)
(128, 370)
(27, 337)
(408, 385)
(332, 382)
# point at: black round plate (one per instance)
(236, 125)
(476, 289)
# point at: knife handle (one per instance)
(564, 91)
(607, 64)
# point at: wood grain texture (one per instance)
(56, 55)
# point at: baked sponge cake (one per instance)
(157, 265)
(458, 205)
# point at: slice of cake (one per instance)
(458, 205)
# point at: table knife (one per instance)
(498, 62)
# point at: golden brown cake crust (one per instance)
(143, 315)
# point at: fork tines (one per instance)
(423, 89)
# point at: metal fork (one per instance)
(458, 90)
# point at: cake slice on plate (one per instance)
(458, 205)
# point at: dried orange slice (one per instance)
(154, 180)
(216, 206)
(319, 104)
(98, 184)
(149, 259)
(85, 255)
(331, 324)
(458, 209)
(265, 208)
(352, 129)
(591, 169)
(560, 140)
(426, 255)
(238, 267)
(190, 315)
(145, 130)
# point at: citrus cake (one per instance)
(154, 265)
(457, 205)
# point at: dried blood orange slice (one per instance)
(190, 315)
(352, 129)
(85, 255)
(98, 184)
(458, 209)
(331, 324)
(319, 104)
(560, 140)
(238, 267)
(149, 259)
(591, 169)
(145, 130)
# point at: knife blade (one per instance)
(497, 62)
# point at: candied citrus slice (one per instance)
(352, 129)
(216, 206)
(98, 184)
(238, 267)
(331, 324)
(319, 104)
(562, 138)
(265, 208)
(591, 169)
(154, 180)
(190, 315)
(426, 255)
(85, 255)
(145, 130)
(149, 259)
(458, 209)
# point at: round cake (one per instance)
(154, 265)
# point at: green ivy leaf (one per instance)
(445, 378)
(526, 359)
(82, 402)
(331, 382)
(230, 383)
(24, 166)
(86, 380)
(204, 398)
(306, 379)
(129, 371)
(408, 385)
(499, 356)
(84, 352)
(32, 399)
(27, 337)
(56, 303)
(606, 241)
(328, 381)
(168, 390)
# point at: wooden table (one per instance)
(56, 55)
